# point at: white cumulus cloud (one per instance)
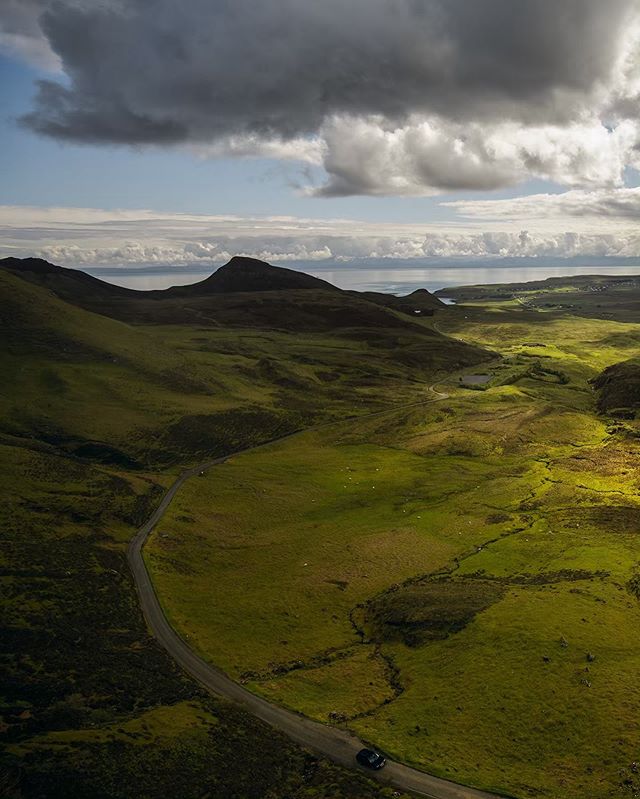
(502, 230)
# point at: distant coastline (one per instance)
(393, 278)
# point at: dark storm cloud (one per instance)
(159, 71)
(21, 16)
(20, 33)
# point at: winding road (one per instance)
(338, 745)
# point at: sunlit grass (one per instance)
(271, 559)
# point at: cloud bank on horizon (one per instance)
(576, 224)
(389, 97)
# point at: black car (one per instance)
(370, 759)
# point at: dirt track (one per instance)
(338, 745)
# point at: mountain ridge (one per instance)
(245, 292)
(240, 274)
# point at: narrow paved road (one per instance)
(338, 745)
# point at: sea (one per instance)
(388, 278)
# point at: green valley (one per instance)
(447, 567)
(454, 582)
(98, 416)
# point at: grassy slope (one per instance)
(594, 296)
(91, 706)
(619, 388)
(498, 533)
(96, 416)
(75, 377)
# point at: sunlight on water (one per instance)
(404, 281)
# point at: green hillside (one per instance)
(162, 394)
(97, 415)
(426, 567)
(615, 297)
(619, 389)
(457, 583)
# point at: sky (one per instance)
(346, 134)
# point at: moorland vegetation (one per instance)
(454, 580)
